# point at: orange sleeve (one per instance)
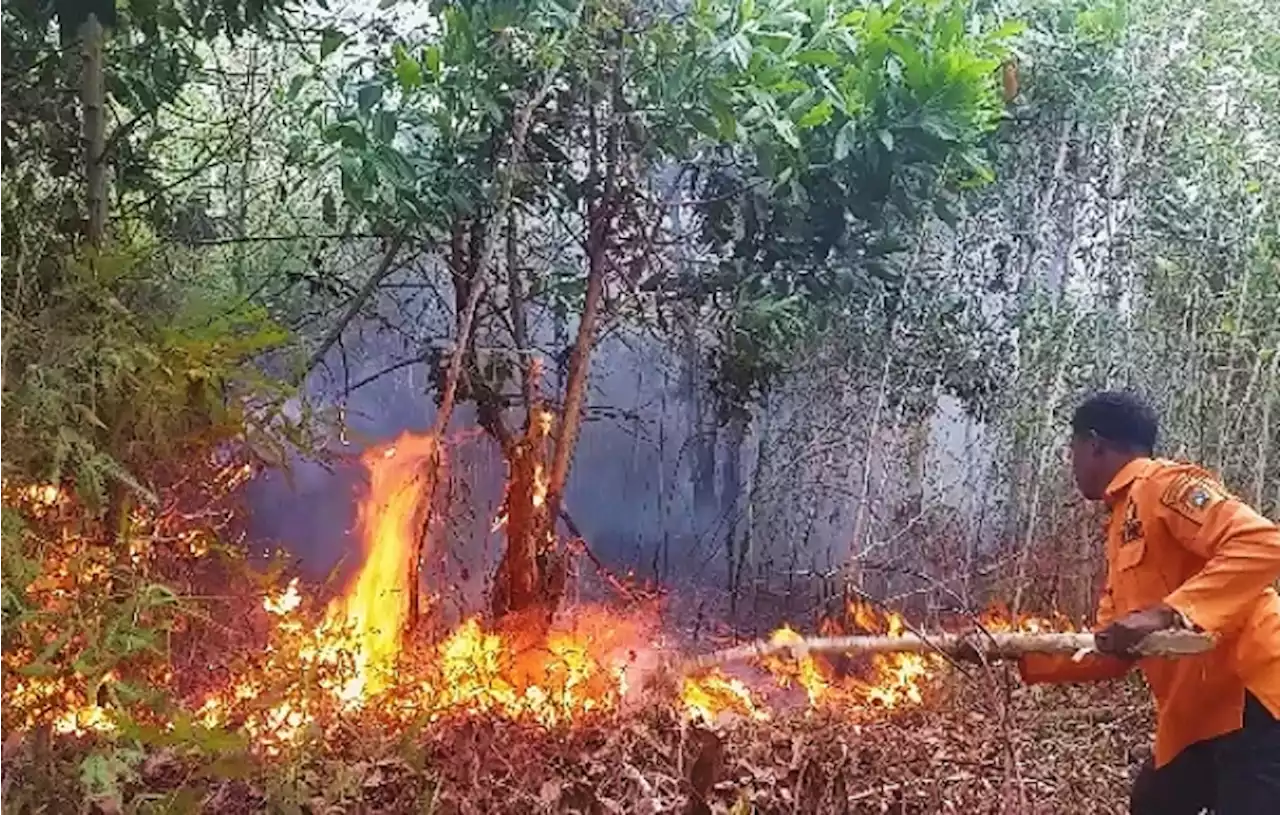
(1041, 668)
(1241, 547)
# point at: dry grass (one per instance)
(979, 745)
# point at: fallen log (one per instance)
(993, 646)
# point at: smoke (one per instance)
(629, 491)
(632, 490)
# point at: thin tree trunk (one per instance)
(93, 102)
(519, 323)
(600, 217)
(1042, 439)
(466, 323)
(861, 518)
(93, 99)
(1264, 433)
(730, 493)
(755, 491)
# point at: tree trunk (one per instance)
(730, 493)
(93, 100)
(702, 431)
(552, 567)
(466, 319)
(530, 578)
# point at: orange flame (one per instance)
(707, 697)
(376, 607)
(356, 659)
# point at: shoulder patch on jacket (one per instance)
(1192, 493)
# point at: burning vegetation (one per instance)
(323, 668)
(161, 691)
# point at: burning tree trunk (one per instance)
(531, 576)
(466, 319)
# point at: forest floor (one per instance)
(978, 745)
(970, 750)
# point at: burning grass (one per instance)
(585, 700)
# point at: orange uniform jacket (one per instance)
(1176, 536)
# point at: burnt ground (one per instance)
(981, 744)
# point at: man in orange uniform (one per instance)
(1182, 552)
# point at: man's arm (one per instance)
(1240, 546)
(1058, 668)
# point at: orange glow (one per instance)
(998, 618)
(389, 519)
(320, 668)
(707, 697)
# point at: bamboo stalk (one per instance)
(93, 101)
(1172, 643)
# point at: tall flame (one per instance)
(389, 519)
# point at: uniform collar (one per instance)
(1135, 469)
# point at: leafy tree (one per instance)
(113, 360)
(803, 137)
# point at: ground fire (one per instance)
(323, 667)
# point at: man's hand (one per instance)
(1121, 637)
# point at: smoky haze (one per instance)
(631, 489)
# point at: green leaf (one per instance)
(739, 48)
(347, 134)
(1010, 29)
(817, 116)
(787, 132)
(295, 149)
(295, 86)
(36, 669)
(369, 95)
(939, 128)
(432, 57)
(726, 122)
(845, 140)
(942, 208)
(328, 209)
(886, 138)
(407, 69)
(330, 40)
(702, 123)
(818, 56)
(384, 126)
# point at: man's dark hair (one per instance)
(1120, 418)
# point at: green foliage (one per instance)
(104, 773)
(817, 137)
(17, 572)
(1077, 55)
(849, 128)
(154, 49)
(112, 372)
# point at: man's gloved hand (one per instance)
(1121, 637)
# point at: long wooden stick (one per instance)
(1173, 643)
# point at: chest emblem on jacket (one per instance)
(1131, 529)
